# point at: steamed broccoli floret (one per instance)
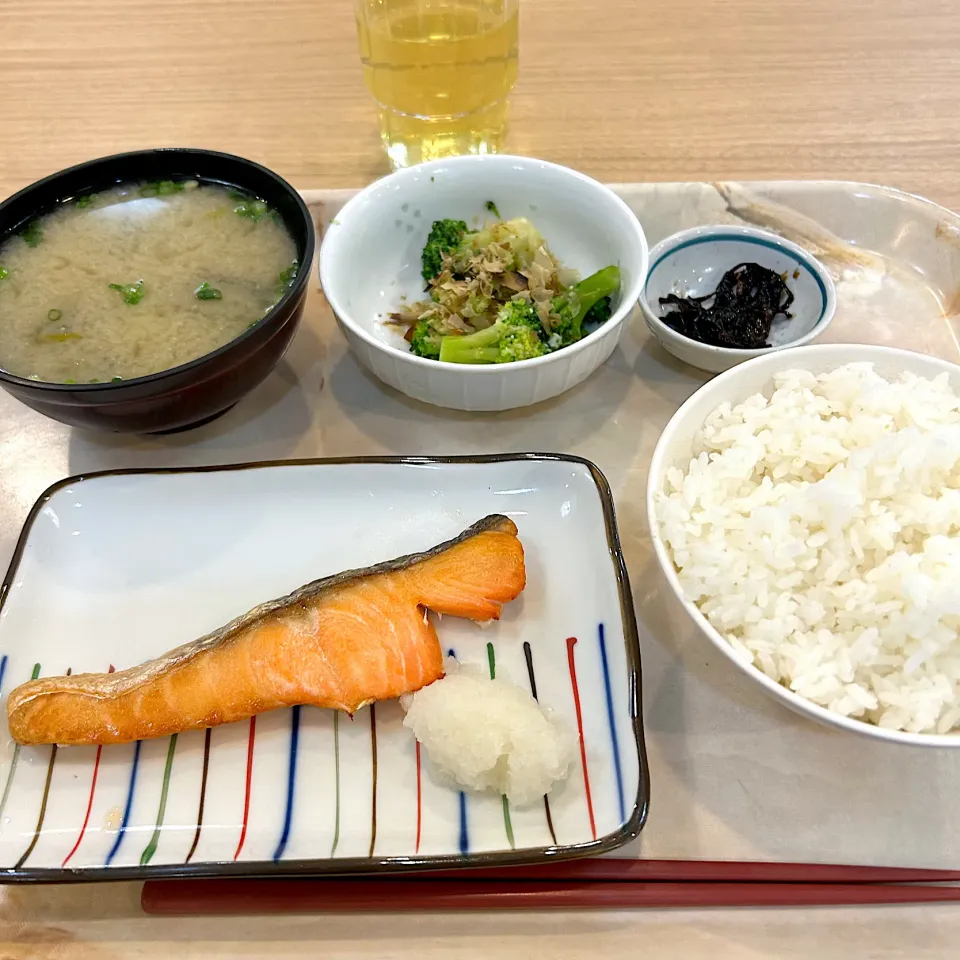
(425, 341)
(519, 238)
(444, 237)
(516, 335)
(572, 307)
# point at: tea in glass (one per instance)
(440, 72)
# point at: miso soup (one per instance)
(138, 279)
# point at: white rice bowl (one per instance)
(489, 735)
(816, 531)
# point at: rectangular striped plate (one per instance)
(115, 568)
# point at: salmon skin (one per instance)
(340, 642)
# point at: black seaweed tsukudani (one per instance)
(743, 308)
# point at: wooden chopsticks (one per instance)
(404, 894)
(586, 884)
(621, 870)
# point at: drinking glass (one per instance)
(440, 72)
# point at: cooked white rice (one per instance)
(484, 734)
(817, 530)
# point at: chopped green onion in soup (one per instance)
(206, 292)
(32, 234)
(132, 292)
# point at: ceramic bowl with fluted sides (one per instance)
(370, 262)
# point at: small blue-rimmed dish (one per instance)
(692, 262)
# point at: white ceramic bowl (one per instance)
(692, 262)
(675, 446)
(371, 257)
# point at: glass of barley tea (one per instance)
(440, 72)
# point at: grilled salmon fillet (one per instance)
(340, 642)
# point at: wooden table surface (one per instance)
(624, 90)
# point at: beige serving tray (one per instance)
(734, 775)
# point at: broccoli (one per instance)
(516, 335)
(445, 236)
(574, 305)
(425, 341)
(518, 239)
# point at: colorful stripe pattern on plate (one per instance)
(291, 782)
(92, 794)
(572, 663)
(203, 794)
(373, 791)
(128, 806)
(531, 676)
(43, 803)
(247, 787)
(151, 847)
(336, 784)
(15, 760)
(505, 803)
(577, 801)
